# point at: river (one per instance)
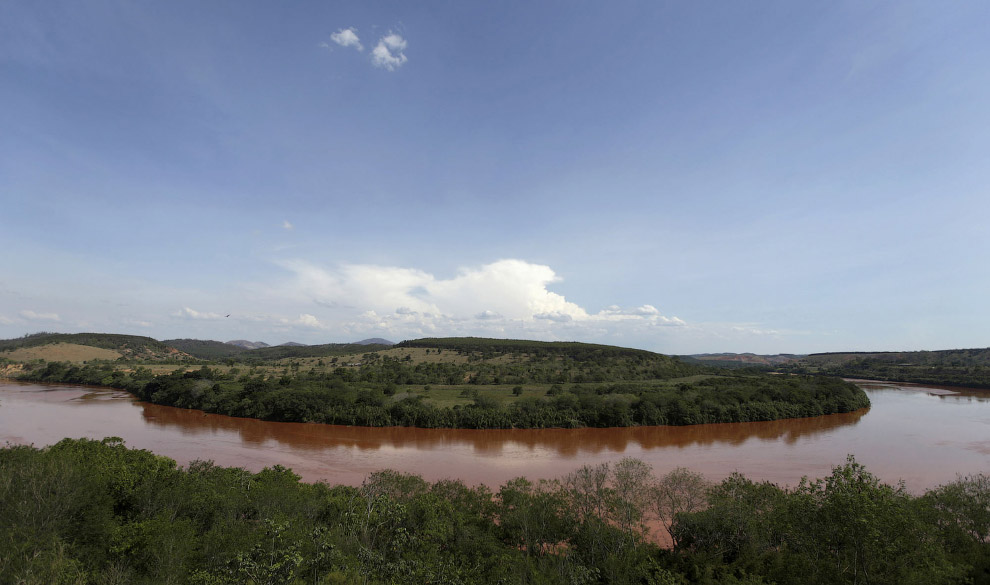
(922, 435)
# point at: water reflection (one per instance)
(924, 435)
(948, 393)
(563, 442)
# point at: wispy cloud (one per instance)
(287, 226)
(347, 37)
(389, 53)
(33, 316)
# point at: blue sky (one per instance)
(682, 177)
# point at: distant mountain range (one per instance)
(741, 360)
(374, 341)
(248, 344)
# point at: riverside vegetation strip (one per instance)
(473, 383)
(95, 512)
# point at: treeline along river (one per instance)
(923, 435)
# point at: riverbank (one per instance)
(341, 397)
(911, 435)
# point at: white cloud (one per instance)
(347, 37)
(753, 330)
(394, 42)
(556, 317)
(288, 226)
(6, 320)
(389, 52)
(188, 313)
(307, 320)
(33, 316)
(507, 297)
(645, 312)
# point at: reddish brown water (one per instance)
(923, 435)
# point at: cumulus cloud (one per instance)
(188, 313)
(307, 320)
(33, 316)
(643, 312)
(514, 289)
(507, 297)
(556, 317)
(347, 37)
(288, 226)
(389, 53)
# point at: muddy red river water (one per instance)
(921, 435)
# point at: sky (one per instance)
(683, 177)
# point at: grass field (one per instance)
(435, 394)
(416, 355)
(61, 352)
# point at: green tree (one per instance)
(274, 560)
(681, 491)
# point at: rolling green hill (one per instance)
(133, 347)
(487, 346)
(281, 352)
(951, 367)
(206, 349)
(468, 383)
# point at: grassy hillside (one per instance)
(206, 349)
(740, 360)
(492, 347)
(133, 347)
(953, 367)
(61, 352)
(451, 382)
(281, 352)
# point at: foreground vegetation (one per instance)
(377, 394)
(95, 512)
